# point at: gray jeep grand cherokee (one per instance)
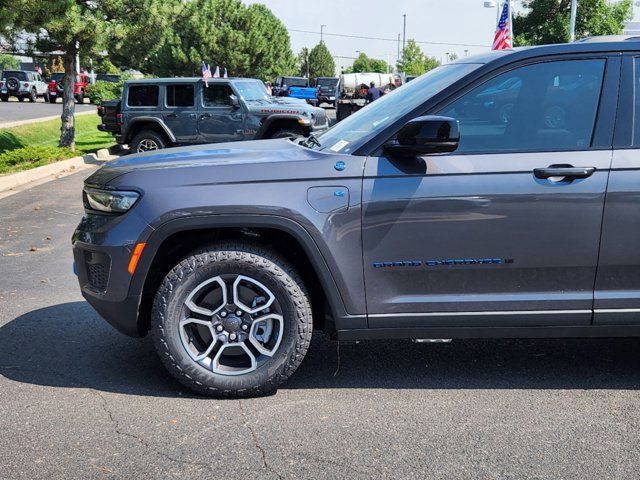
(164, 112)
(497, 196)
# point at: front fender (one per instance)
(271, 119)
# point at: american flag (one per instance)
(206, 73)
(502, 39)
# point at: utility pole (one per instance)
(398, 57)
(404, 34)
(572, 26)
(321, 32)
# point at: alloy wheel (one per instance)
(147, 145)
(231, 324)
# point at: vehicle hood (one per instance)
(241, 161)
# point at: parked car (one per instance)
(22, 84)
(107, 77)
(413, 218)
(326, 89)
(295, 87)
(56, 87)
(159, 113)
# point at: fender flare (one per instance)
(153, 120)
(291, 227)
(267, 122)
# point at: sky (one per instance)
(442, 21)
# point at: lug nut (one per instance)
(232, 336)
(239, 313)
(219, 328)
(244, 326)
(223, 313)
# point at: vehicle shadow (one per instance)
(68, 345)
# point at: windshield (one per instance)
(295, 82)
(363, 125)
(327, 82)
(14, 74)
(252, 91)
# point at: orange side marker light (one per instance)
(135, 257)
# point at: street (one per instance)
(78, 400)
(14, 111)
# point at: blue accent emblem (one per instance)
(338, 193)
(340, 166)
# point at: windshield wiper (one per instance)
(311, 140)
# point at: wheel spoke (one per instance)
(217, 367)
(186, 341)
(264, 322)
(246, 308)
(190, 302)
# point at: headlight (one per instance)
(115, 201)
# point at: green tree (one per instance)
(9, 62)
(377, 65)
(547, 21)
(321, 62)
(247, 40)
(412, 62)
(73, 26)
(430, 63)
(361, 64)
(302, 61)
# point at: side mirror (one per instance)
(233, 101)
(424, 136)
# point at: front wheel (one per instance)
(52, 98)
(33, 96)
(80, 98)
(232, 320)
(4, 98)
(286, 133)
(20, 98)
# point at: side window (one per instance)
(216, 95)
(636, 102)
(143, 96)
(545, 106)
(179, 96)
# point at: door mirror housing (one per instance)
(233, 101)
(424, 136)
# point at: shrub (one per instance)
(32, 156)
(100, 91)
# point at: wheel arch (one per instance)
(174, 240)
(139, 124)
(279, 121)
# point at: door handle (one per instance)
(172, 115)
(566, 171)
(205, 115)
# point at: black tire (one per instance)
(4, 98)
(45, 97)
(79, 98)
(150, 137)
(20, 98)
(53, 99)
(286, 133)
(33, 96)
(232, 259)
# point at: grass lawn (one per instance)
(36, 144)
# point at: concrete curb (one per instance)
(17, 182)
(42, 119)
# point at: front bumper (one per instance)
(102, 247)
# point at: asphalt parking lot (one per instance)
(14, 111)
(78, 400)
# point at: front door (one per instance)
(179, 112)
(494, 235)
(218, 119)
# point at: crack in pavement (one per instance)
(254, 438)
(112, 419)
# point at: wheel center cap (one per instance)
(232, 323)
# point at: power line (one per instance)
(344, 35)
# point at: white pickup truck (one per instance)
(353, 87)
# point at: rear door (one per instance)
(617, 291)
(180, 112)
(490, 235)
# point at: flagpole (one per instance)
(513, 35)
